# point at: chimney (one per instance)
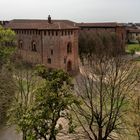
(49, 19)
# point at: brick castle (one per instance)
(54, 43)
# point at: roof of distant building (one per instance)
(133, 30)
(40, 24)
(103, 24)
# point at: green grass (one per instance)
(135, 47)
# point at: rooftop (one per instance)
(133, 30)
(40, 24)
(104, 24)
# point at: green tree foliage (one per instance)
(51, 99)
(7, 42)
(7, 91)
(39, 119)
(26, 83)
(7, 86)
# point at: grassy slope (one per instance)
(135, 47)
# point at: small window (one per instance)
(34, 46)
(62, 33)
(49, 33)
(56, 33)
(49, 60)
(69, 47)
(69, 66)
(65, 60)
(51, 52)
(65, 32)
(52, 33)
(20, 44)
(44, 32)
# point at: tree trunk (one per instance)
(24, 135)
(100, 134)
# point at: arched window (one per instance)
(20, 44)
(69, 47)
(34, 46)
(69, 66)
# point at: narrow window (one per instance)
(51, 52)
(49, 33)
(69, 66)
(56, 33)
(65, 60)
(44, 32)
(34, 46)
(49, 60)
(62, 33)
(69, 47)
(20, 44)
(65, 32)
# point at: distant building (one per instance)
(114, 27)
(53, 43)
(133, 32)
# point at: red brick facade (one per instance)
(54, 44)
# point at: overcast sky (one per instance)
(76, 10)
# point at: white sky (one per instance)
(76, 10)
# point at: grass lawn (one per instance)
(131, 47)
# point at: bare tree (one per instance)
(106, 81)
(136, 115)
(103, 90)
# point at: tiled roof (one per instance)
(133, 30)
(41, 24)
(104, 24)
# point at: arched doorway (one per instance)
(69, 66)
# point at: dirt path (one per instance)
(9, 134)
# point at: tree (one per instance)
(7, 91)
(138, 38)
(37, 118)
(26, 85)
(98, 43)
(103, 91)
(7, 43)
(51, 99)
(107, 79)
(136, 115)
(7, 86)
